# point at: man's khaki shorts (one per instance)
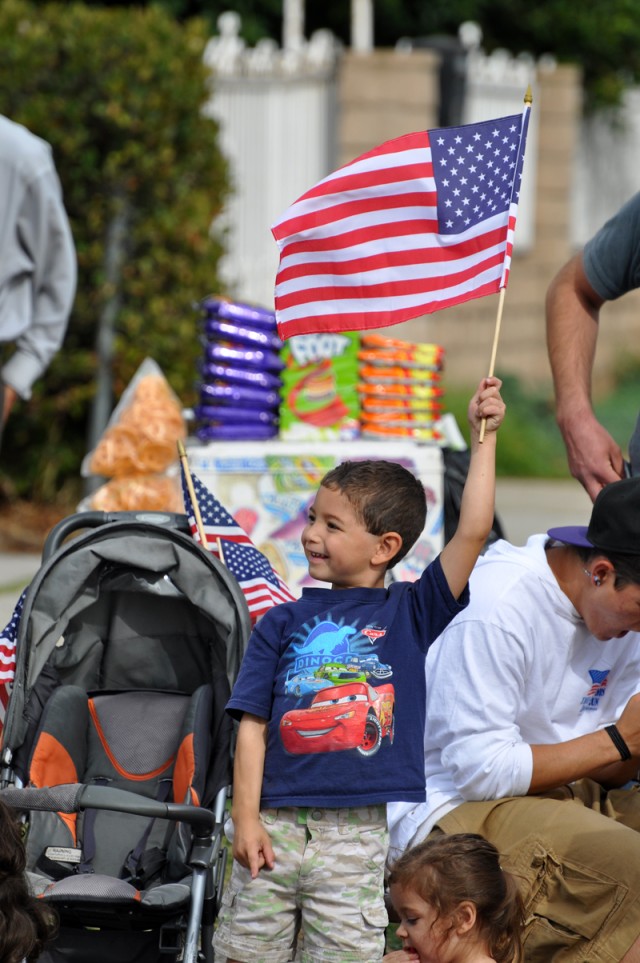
(327, 886)
(576, 854)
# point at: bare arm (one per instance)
(572, 311)
(593, 755)
(251, 843)
(8, 402)
(477, 508)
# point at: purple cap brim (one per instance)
(571, 535)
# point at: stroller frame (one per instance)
(215, 593)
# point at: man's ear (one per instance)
(388, 547)
(602, 569)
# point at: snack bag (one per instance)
(149, 493)
(143, 431)
(320, 398)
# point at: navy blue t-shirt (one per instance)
(339, 675)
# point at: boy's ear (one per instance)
(389, 545)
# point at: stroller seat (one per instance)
(153, 743)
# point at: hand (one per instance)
(252, 846)
(8, 402)
(487, 403)
(594, 457)
(401, 956)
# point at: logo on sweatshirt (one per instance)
(591, 700)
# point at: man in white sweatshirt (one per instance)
(533, 729)
(37, 262)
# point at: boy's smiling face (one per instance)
(338, 547)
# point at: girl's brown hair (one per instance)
(446, 870)
(26, 924)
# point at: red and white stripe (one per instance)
(361, 249)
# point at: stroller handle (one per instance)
(83, 520)
(74, 797)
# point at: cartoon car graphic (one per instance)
(371, 665)
(299, 685)
(338, 673)
(350, 716)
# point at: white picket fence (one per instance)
(277, 112)
(607, 169)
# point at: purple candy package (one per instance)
(244, 313)
(236, 432)
(237, 416)
(237, 395)
(253, 357)
(227, 331)
(247, 377)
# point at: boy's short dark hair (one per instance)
(385, 496)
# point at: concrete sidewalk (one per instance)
(523, 505)
(16, 570)
(529, 505)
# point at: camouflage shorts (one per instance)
(322, 903)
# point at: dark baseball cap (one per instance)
(615, 521)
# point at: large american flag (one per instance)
(262, 586)
(420, 223)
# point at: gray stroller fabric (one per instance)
(127, 740)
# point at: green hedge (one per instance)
(118, 94)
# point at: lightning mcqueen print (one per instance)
(348, 716)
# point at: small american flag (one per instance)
(262, 586)
(418, 224)
(8, 639)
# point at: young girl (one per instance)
(455, 903)
(26, 923)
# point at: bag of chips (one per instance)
(142, 434)
(147, 493)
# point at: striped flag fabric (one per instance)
(260, 583)
(418, 224)
(8, 640)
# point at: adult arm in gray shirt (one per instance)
(38, 276)
(607, 268)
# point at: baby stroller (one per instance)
(116, 747)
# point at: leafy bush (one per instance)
(118, 94)
(530, 444)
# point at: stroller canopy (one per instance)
(129, 605)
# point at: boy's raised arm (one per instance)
(251, 843)
(478, 498)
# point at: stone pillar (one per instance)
(383, 95)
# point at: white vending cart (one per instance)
(268, 486)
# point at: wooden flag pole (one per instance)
(494, 351)
(194, 501)
(528, 100)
